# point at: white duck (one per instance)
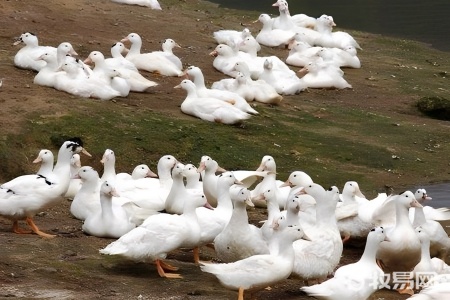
(231, 37)
(402, 253)
(273, 211)
(347, 213)
(159, 235)
(151, 193)
(301, 54)
(270, 37)
(64, 52)
(340, 57)
(178, 192)
(316, 259)
(322, 75)
(196, 75)
(46, 159)
(354, 281)
(239, 239)
(256, 64)
(383, 209)
(212, 222)
(192, 177)
(424, 265)
(109, 166)
(331, 39)
(209, 167)
(103, 71)
(75, 82)
(252, 90)
(439, 239)
(285, 22)
(209, 109)
(140, 171)
(46, 75)
(270, 181)
(138, 83)
(300, 20)
(259, 271)
(33, 194)
(297, 180)
(87, 200)
(163, 62)
(285, 83)
(225, 57)
(75, 183)
(437, 288)
(153, 4)
(431, 213)
(28, 56)
(109, 221)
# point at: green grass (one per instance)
(340, 145)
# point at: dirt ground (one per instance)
(69, 266)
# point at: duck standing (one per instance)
(35, 193)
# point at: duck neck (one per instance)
(348, 198)
(224, 200)
(273, 209)
(106, 205)
(419, 217)
(370, 251)
(135, 48)
(115, 53)
(325, 214)
(239, 216)
(61, 170)
(90, 184)
(176, 189)
(292, 216)
(192, 181)
(402, 215)
(425, 253)
(199, 81)
(109, 171)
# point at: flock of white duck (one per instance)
(182, 206)
(314, 46)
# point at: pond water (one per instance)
(424, 21)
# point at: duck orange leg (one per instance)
(196, 255)
(17, 229)
(406, 290)
(241, 294)
(162, 273)
(345, 238)
(167, 266)
(36, 229)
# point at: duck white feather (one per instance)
(353, 281)
(196, 75)
(153, 4)
(159, 235)
(259, 271)
(239, 239)
(109, 221)
(212, 222)
(33, 193)
(402, 253)
(28, 56)
(163, 62)
(316, 259)
(209, 109)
